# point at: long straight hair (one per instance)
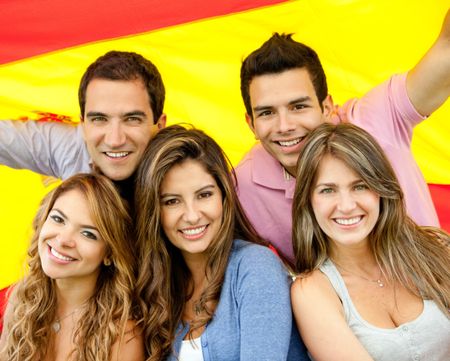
(34, 298)
(164, 282)
(416, 257)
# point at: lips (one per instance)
(60, 256)
(348, 221)
(116, 155)
(289, 143)
(194, 232)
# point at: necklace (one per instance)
(56, 325)
(378, 281)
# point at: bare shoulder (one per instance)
(131, 346)
(312, 284)
(314, 290)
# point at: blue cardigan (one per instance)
(253, 319)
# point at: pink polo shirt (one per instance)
(266, 190)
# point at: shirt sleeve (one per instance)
(44, 147)
(386, 112)
(263, 297)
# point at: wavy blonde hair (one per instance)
(164, 282)
(416, 257)
(103, 321)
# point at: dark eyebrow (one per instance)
(164, 195)
(294, 101)
(95, 114)
(127, 114)
(300, 100)
(205, 187)
(81, 225)
(134, 113)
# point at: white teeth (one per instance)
(348, 221)
(289, 143)
(60, 256)
(193, 231)
(117, 154)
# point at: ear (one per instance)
(161, 123)
(328, 107)
(250, 123)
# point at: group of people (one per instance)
(154, 248)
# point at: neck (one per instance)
(358, 257)
(71, 295)
(197, 266)
(125, 188)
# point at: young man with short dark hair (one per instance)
(285, 94)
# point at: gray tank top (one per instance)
(427, 338)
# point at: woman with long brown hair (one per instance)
(75, 303)
(209, 288)
(373, 285)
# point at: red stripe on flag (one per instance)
(31, 27)
(441, 199)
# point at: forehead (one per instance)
(187, 175)
(334, 170)
(74, 205)
(284, 86)
(109, 96)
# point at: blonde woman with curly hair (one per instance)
(374, 285)
(209, 288)
(75, 302)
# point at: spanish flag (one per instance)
(198, 46)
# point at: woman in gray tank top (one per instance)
(373, 284)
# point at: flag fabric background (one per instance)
(198, 46)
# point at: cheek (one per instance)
(319, 207)
(167, 220)
(94, 135)
(376, 201)
(218, 210)
(262, 129)
(141, 137)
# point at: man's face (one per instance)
(285, 109)
(118, 124)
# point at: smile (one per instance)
(348, 221)
(194, 233)
(116, 154)
(60, 256)
(289, 143)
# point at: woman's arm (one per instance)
(265, 315)
(320, 318)
(131, 348)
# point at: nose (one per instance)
(284, 122)
(115, 136)
(65, 238)
(346, 203)
(191, 213)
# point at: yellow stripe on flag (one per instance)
(360, 43)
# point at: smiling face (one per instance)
(118, 124)
(191, 208)
(70, 246)
(285, 109)
(345, 208)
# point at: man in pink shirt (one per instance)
(285, 93)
